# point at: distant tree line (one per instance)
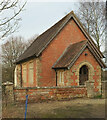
(11, 50)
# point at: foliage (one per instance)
(98, 96)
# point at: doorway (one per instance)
(83, 75)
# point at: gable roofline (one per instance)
(69, 16)
(65, 51)
(60, 57)
(72, 50)
(101, 63)
(60, 28)
(86, 34)
(96, 56)
(43, 40)
(77, 56)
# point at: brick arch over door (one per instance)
(90, 70)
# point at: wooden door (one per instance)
(83, 75)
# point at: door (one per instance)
(83, 75)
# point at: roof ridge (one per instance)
(45, 38)
(42, 35)
(87, 34)
(68, 16)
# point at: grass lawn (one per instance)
(75, 108)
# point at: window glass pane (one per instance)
(61, 79)
(24, 74)
(31, 73)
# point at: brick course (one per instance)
(49, 93)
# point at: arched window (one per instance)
(83, 75)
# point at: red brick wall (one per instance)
(69, 34)
(90, 58)
(55, 93)
(44, 75)
(96, 75)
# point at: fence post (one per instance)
(104, 89)
(90, 89)
(8, 92)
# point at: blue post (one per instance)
(26, 106)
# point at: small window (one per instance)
(24, 74)
(61, 79)
(31, 73)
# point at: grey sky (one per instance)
(39, 16)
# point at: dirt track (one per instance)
(76, 108)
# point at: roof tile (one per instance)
(69, 54)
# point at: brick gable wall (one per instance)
(44, 75)
(69, 34)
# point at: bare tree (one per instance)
(105, 52)
(92, 17)
(0, 73)
(9, 11)
(11, 50)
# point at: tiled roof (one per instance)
(42, 41)
(70, 55)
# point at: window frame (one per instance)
(61, 77)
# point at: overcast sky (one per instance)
(39, 16)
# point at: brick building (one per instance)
(63, 62)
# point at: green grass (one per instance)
(98, 96)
